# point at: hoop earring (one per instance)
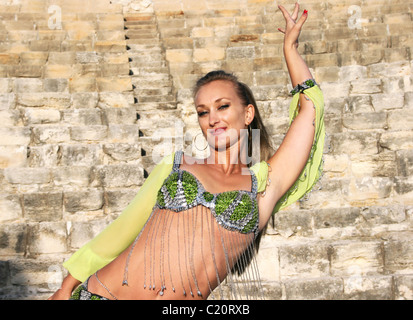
(194, 143)
(249, 140)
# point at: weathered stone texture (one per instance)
(93, 96)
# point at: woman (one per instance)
(197, 222)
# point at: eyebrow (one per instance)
(216, 101)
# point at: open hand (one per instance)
(292, 26)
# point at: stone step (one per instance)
(157, 98)
(142, 92)
(150, 71)
(150, 64)
(142, 34)
(155, 106)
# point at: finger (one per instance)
(302, 19)
(295, 13)
(281, 30)
(284, 12)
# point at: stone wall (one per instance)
(92, 91)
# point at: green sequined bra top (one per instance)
(234, 210)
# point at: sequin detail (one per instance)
(235, 210)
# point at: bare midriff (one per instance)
(178, 255)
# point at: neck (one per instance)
(231, 159)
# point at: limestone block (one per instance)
(392, 214)
(398, 252)
(10, 118)
(366, 86)
(14, 136)
(404, 187)
(88, 133)
(50, 134)
(369, 188)
(55, 71)
(115, 100)
(358, 287)
(327, 74)
(359, 104)
(81, 232)
(83, 200)
(268, 261)
(7, 101)
(298, 260)
(353, 142)
(404, 160)
(201, 32)
(400, 120)
(314, 289)
(208, 54)
(120, 116)
(380, 165)
(85, 100)
(13, 156)
(27, 175)
(347, 256)
(14, 239)
(80, 154)
(34, 58)
(40, 116)
(365, 121)
(79, 117)
(47, 206)
(114, 84)
(179, 55)
(25, 71)
(110, 46)
(56, 85)
(58, 100)
(121, 175)
(123, 151)
(79, 176)
(47, 237)
(43, 156)
(337, 218)
(403, 287)
(247, 52)
(62, 58)
(396, 140)
(387, 101)
(10, 208)
(28, 85)
(82, 84)
(123, 134)
(6, 85)
(351, 73)
(290, 222)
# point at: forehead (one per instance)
(214, 91)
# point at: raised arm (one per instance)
(286, 165)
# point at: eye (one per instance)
(224, 106)
(202, 113)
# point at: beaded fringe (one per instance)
(207, 261)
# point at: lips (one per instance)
(218, 131)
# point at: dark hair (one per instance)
(247, 97)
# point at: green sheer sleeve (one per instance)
(117, 236)
(314, 166)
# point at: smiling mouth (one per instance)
(218, 131)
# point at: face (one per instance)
(221, 114)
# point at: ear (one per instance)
(249, 114)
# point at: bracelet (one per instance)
(307, 84)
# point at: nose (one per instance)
(213, 118)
